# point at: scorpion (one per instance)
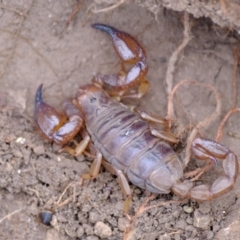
(122, 140)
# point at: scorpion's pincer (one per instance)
(47, 119)
(129, 52)
(54, 126)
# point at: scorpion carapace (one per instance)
(123, 142)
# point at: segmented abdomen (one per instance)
(126, 142)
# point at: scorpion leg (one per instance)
(130, 52)
(94, 171)
(95, 167)
(152, 118)
(123, 184)
(53, 125)
(80, 147)
(205, 149)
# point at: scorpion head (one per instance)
(92, 100)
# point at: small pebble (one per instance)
(21, 140)
(102, 230)
(181, 224)
(17, 153)
(88, 229)
(176, 213)
(8, 167)
(137, 191)
(80, 158)
(123, 223)
(52, 234)
(187, 209)
(93, 217)
(189, 228)
(39, 150)
(80, 231)
(201, 221)
(92, 238)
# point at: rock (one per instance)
(102, 230)
(201, 221)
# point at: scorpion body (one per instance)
(126, 142)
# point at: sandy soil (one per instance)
(38, 47)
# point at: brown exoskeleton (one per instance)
(122, 141)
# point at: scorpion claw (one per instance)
(46, 117)
(127, 48)
(53, 125)
(205, 149)
(129, 51)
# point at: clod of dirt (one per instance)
(102, 230)
(200, 220)
(93, 217)
(123, 223)
(52, 234)
(80, 232)
(39, 150)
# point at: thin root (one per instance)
(174, 57)
(72, 197)
(13, 10)
(204, 123)
(93, 8)
(74, 13)
(143, 208)
(11, 214)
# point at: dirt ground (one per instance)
(38, 46)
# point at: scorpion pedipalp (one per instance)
(129, 51)
(204, 149)
(53, 125)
